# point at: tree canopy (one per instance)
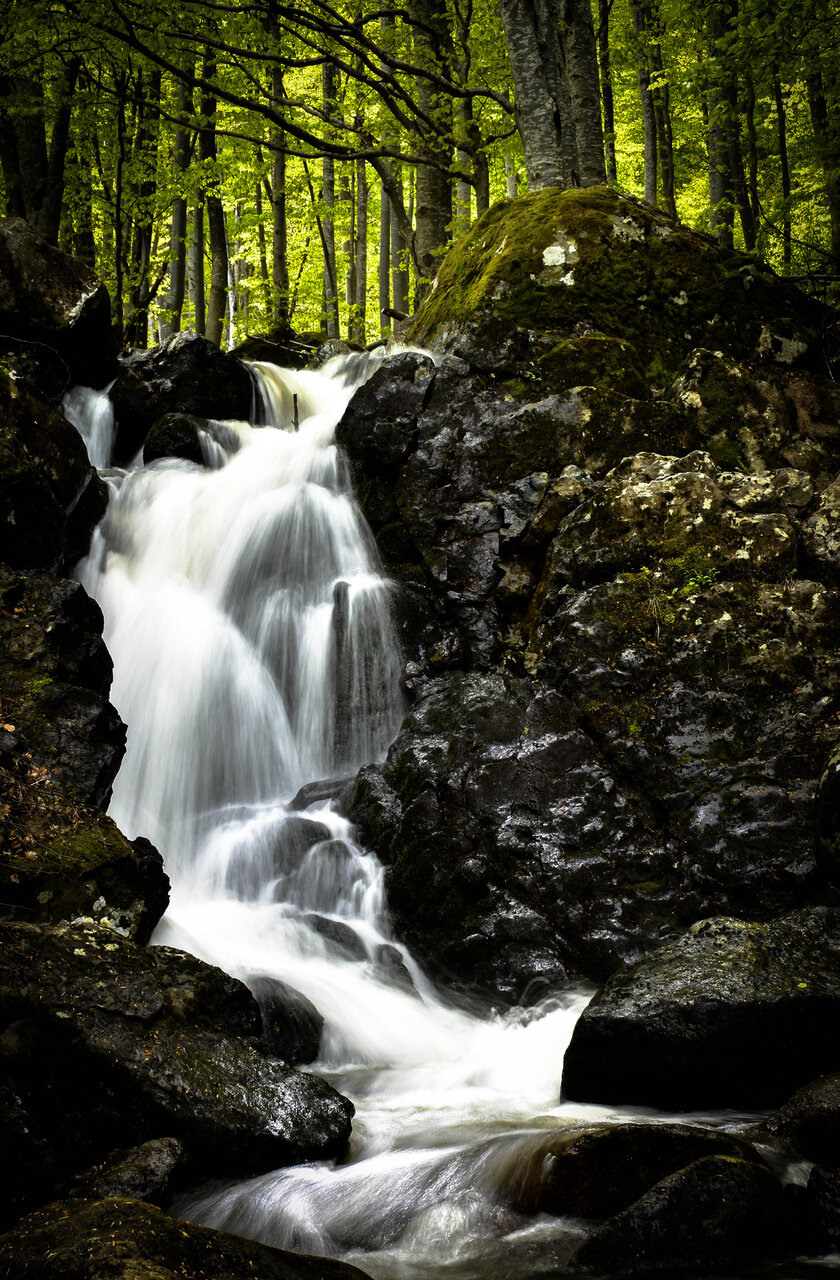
(247, 166)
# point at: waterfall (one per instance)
(249, 625)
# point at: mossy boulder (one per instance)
(577, 262)
(151, 1042)
(732, 1013)
(125, 1239)
(717, 1212)
(50, 496)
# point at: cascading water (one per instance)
(250, 632)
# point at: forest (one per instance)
(252, 166)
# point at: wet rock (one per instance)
(291, 1025)
(84, 1240)
(151, 1042)
(148, 1172)
(50, 496)
(56, 674)
(600, 1172)
(810, 1121)
(186, 375)
(716, 1212)
(730, 1014)
(315, 792)
(344, 936)
(175, 435)
(287, 349)
(53, 308)
(824, 1201)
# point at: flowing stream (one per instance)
(253, 653)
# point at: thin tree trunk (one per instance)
(511, 176)
(329, 87)
(384, 260)
(359, 314)
(265, 282)
(432, 49)
(822, 99)
(399, 264)
(752, 152)
(584, 91)
(720, 174)
(217, 298)
(174, 302)
(607, 95)
(199, 303)
(9, 158)
(49, 215)
(781, 122)
(280, 235)
(648, 114)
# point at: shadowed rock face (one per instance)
(125, 1238)
(187, 375)
(54, 312)
(615, 541)
(151, 1042)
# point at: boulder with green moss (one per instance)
(579, 265)
(612, 523)
(151, 1042)
(125, 1239)
(732, 1013)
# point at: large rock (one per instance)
(731, 1014)
(715, 1213)
(573, 263)
(126, 1239)
(810, 1121)
(50, 496)
(600, 1172)
(53, 305)
(187, 375)
(618, 599)
(150, 1042)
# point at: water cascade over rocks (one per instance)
(253, 651)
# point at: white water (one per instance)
(249, 627)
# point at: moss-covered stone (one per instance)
(570, 262)
(126, 1239)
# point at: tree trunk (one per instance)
(359, 315)
(9, 159)
(174, 302)
(432, 49)
(399, 261)
(280, 236)
(584, 92)
(607, 96)
(145, 147)
(49, 215)
(329, 85)
(720, 174)
(648, 114)
(199, 305)
(781, 122)
(511, 175)
(384, 261)
(823, 101)
(532, 37)
(217, 298)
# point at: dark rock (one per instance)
(810, 1120)
(187, 375)
(148, 1172)
(329, 350)
(124, 1239)
(716, 1212)
(602, 1171)
(175, 435)
(343, 935)
(287, 349)
(291, 1025)
(152, 1041)
(53, 307)
(824, 1199)
(315, 792)
(828, 809)
(50, 496)
(731, 1014)
(26, 1149)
